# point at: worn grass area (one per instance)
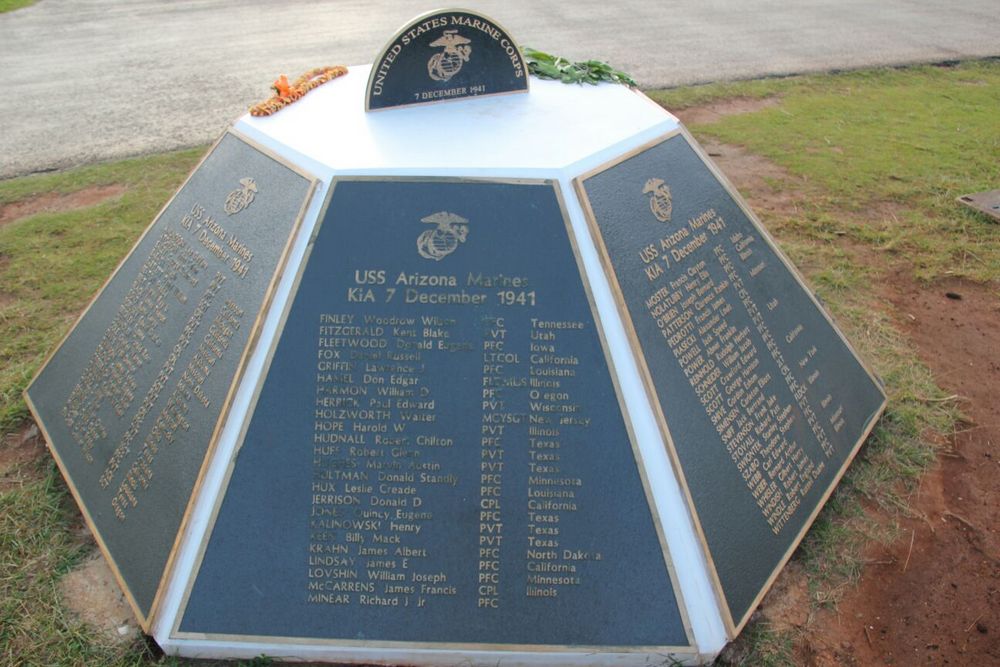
(768, 648)
(898, 452)
(39, 542)
(52, 263)
(11, 5)
(878, 158)
(905, 142)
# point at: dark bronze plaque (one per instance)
(762, 399)
(437, 454)
(987, 202)
(130, 401)
(446, 55)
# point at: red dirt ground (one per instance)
(58, 202)
(933, 597)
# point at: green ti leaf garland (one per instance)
(547, 66)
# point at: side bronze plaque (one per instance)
(446, 55)
(437, 454)
(131, 401)
(762, 401)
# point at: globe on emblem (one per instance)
(660, 202)
(446, 64)
(440, 242)
(241, 197)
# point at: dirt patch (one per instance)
(91, 592)
(748, 171)
(776, 195)
(51, 202)
(711, 113)
(775, 192)
(787, 606)
(17, 451)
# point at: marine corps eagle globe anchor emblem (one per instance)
(660, 201)
(443, 240)
(446, 64)
(241, 197)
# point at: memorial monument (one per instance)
(515, 377)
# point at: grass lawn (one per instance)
(916, 138)
(902, 140)
(11, 5)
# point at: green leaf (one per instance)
(547, 66)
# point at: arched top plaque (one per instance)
(447, 54)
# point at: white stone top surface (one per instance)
(549, 128)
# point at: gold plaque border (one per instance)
(733, 626)
(146, 620)
(682, 651)
(416, 19)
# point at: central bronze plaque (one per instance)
(438, 454)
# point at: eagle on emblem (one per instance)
(443, 240)
(445, 64)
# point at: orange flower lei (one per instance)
(285, 94)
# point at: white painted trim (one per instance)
(426, 657)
